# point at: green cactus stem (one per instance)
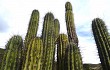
(34, 55)
(13, 53)
(101, 37)
(70, 24)
(73, 59)
(31, 32)
(62, 42)
(48, 41)
(33, 26)
(56, 33)
(56, 28)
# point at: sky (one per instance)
(15, 16)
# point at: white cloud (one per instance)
(88, 50)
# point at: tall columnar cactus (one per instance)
(13, 53)
(73, 59)
(34, 55)
(101, 38)
(56, 28)
(33, 26)
(48, 41)
(70, 24)
(62, 42)
(31, 32)
(56, 33)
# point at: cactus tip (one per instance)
(68, 6)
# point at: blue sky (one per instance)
(15, 16)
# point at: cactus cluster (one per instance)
(38, 53)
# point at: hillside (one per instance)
(92, 66)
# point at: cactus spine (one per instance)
(62, 42)
(12, 56)
(34, 55)
(73, 59)
(48, 41)
(70, 24)
(101, 38)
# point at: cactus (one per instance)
(56, 33)
(33, 26)
(62, 42)
(12, 56)
(70, 24)
(48, 41)
(31, 32)
(68, 6)
(34, 55)
(101, 37)
(56, 28)
(73, 59)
